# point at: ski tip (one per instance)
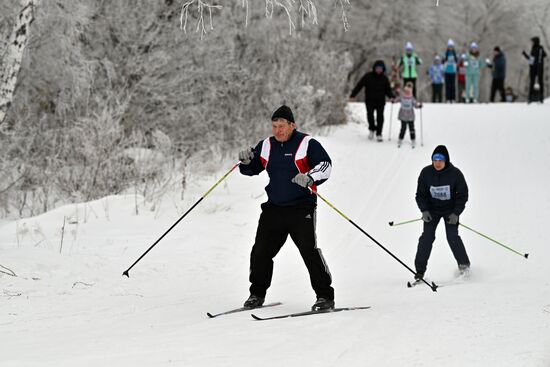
(255, 317)
(126, 274)
(434, 287)
(210, 315)
(526, 256)
(409, 285)
(391, 224)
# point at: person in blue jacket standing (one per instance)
(436, 75)
(450, 61)
(473, 72)
(296, 164)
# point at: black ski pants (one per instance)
(450, 86)
(276, 223)
(428, 237)
(437, 93)
(497, 85)
(378, 124)
(404, 125)
(536, 76)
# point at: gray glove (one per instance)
(303, 180)
(453, 219)
(246, 156)
(426, 216)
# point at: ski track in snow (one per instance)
(74, 307)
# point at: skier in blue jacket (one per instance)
(296, 164)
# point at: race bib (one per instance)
(441, 192)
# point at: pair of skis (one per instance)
(289, 315)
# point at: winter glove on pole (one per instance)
(303, 180)
(426, 216)
(453, 219)
(246, 156)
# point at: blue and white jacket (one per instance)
(282, 161)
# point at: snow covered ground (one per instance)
(70, 306)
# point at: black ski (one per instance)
(307, 313)
(241, 309)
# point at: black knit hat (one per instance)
(442, 149)
(283, 112)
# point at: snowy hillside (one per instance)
(70, 306)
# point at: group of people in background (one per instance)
(458, 75)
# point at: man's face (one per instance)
(282, 129)
(439, 165)
(378, 69)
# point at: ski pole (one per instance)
(183, 216)
(433, 286)
(421, 130)
(401, 223)
(495, 241)
(391, 118)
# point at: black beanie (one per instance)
(442, 149)
(283, 112)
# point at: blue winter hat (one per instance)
(438, 157)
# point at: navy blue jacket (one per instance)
(442, 192)
(282, 168)
(499, 66)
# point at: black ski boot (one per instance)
(253, 301)
(323, 304)
(418, 276)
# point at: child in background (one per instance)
(462, 78)
(406, 113)
(436, 75)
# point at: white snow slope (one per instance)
(73, 308)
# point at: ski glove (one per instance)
(246, 156)
(303, 180)
(453, 219)
(426, 216)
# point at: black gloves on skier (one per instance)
(303, 180)
(426, 216)
(246, 156)
(453, 219)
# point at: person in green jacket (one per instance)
(473, 65)
(407, 64)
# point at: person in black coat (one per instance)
(536, 71)
(377, 88)
(499, 74)
(442, 192)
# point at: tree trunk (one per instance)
(14, 55)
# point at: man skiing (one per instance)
(442, 192)
(377, 88)
(295, 163)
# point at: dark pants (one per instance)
(413, 81)
(437, 92)
(379, 118)
(536, 76)
(450, 86)
(497, 85)
(461, 91)
(404, 125)
(275, 224)
(428, 237)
